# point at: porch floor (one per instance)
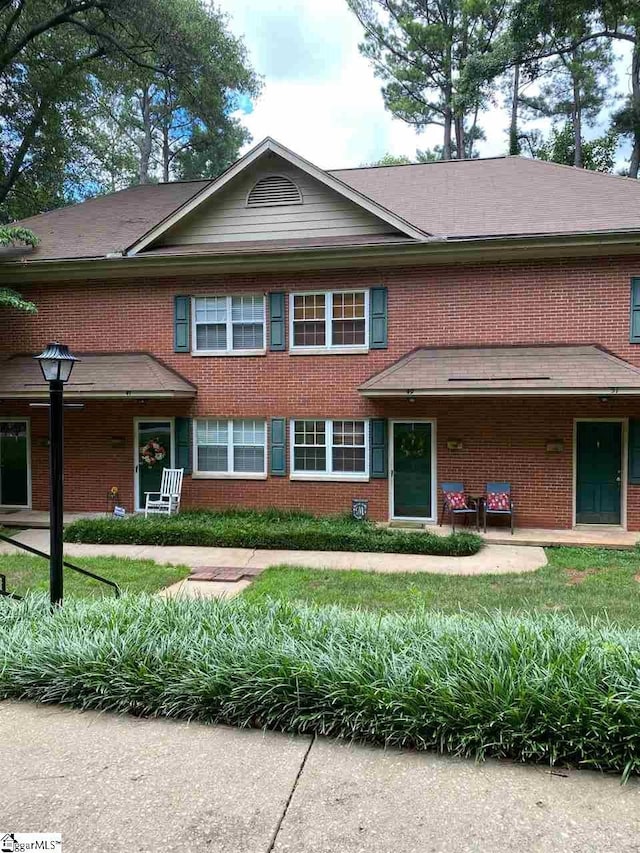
(37, 518)
(602, 536)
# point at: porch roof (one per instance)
(505, 371)
(108, 376)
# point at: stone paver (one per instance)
(492, 559)
(121, 783)
(190, 588)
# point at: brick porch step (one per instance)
(223, 573)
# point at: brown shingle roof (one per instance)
(502, 196)
(474, 371)
(102, 375)
(106, 224)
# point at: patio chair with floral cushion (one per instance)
(458, 504)
(497, 501)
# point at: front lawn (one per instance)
(540, 689)
(271, 529)
(582, 582)
(26, 573)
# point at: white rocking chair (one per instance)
(167, 500)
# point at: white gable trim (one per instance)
(266, 145)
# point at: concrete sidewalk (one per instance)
(121, 783)
(492, 559)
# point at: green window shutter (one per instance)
(277, 337)
(378, 447)
(634, 325)
(181, 324)
(278, 447)
(183, 431)
(634, 452)
(378, 318)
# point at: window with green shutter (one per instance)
(181, 324)
(379, 448)
(183, 444)
(634, 326)
(634, 452)
(278, 447)
(378, 318)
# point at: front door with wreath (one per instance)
(153, 456)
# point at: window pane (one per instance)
(309, 432)
(247, 309)
(347, 306)
(248, 459)
(212, 457)
(249, 432)
(348, 432)
(308, 320)
(309, 459)
(349, 459)
(348, 332)
(211, 309)
(248, 336)
(211, 432)
(309, 306)
(212, 337)
(308, 334)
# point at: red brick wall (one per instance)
(568, 301)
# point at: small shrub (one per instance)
(536, 689)
(271, 529)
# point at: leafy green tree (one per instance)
(420, 49)
(10, 237)
(58, 56)
(598, 154)
(389, 159)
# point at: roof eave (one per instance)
(429, 252)
(405, 393)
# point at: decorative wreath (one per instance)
(413, 445)
(152, 453)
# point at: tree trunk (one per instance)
(514, 139)
(147, 138)
(576, 114)
(446, 146)
(634, 165)
(459, 124)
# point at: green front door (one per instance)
(153, 441)
(412, 470)
(598, 472)
(14, 464)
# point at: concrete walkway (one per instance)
(110, 782)
(492, 559)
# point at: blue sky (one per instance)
(320, 96)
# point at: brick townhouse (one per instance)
(296, 337)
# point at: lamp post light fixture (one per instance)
(56, 363)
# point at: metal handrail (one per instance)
(116, 588)
(4, 591)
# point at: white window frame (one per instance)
(329, 346)
(329, 473)
(229, 474)
(229, 325)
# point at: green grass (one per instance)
(581, 582)
(26, 573)
(271, 529)
(539, 689)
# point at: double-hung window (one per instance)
(334, 449)
(225, 325)
(336, 320)
(230, 447)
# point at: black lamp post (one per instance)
(56, 363)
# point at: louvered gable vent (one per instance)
(274, 190)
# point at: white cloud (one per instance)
(321, 97)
